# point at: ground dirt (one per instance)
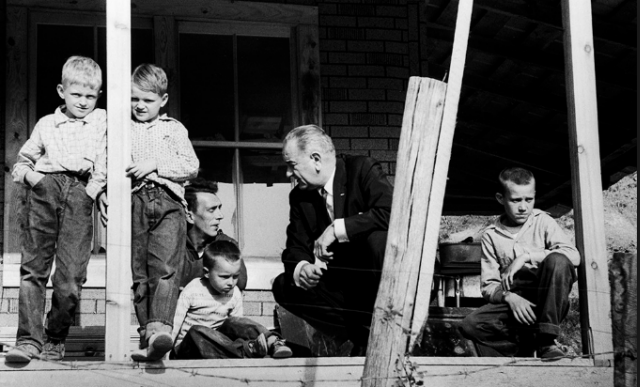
(621, 232)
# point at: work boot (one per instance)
(257, 348)
(278, 348)
(53, 350)
(159, 344)
(22, 353)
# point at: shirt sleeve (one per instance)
(340, 230)
(490, 272)
(556, 241)
(29, 154)
(183, 163)
(98, 179)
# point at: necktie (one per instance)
(328, 206)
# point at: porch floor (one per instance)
(329, 372)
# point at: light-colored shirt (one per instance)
(198, 305)
(539, 236)
(59, 143)
(166, 141)
(339, 228)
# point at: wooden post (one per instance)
(445, 143)
(118, 285)
(397, 294)
(595, 308)
(623, 276)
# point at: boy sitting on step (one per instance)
(208, 323)
(528, 269)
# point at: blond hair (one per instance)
(80, 70)
(150, 78)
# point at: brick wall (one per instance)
(258, 305)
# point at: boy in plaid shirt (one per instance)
(64, 165)
(163, 159)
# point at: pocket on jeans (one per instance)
(39, 183)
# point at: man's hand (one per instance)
(322, 244)
(141, 169)
(522, 308)
(33, 178)
(507, 275)
(103, 203)
(310, 276)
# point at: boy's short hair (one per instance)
(80, 70)
(308, 135)
(519, 176)
(225, 249)
(150, 78)
(196, 185)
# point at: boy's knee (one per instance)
(557, 261)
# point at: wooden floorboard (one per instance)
(326, 372)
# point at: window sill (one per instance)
(261, 272)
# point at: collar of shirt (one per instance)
(499, 227)
(60, 117)
(150, 124)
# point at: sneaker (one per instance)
(22, 353)
(279, 349)
(257, 348)
(551, 352)
(53, 350)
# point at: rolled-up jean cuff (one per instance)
(550, 329)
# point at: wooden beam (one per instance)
(16, 129)
(3, 108)
(219, 9)
(445, 143)
(397, 294)
(623, 276)
(166, 56)
(118, 289)
(595, 308)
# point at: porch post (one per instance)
(118, 284)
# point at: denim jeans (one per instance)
(495, 330)
(159, 229)
(229, 341)
(59, 224)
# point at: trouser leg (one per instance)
(38, 250)
(72, 257)
(491, 328)
(205, 343)
(556, 276)
(243, 328)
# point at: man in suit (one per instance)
(339, 217)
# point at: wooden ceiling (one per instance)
(513, 109)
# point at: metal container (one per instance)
(459, 253)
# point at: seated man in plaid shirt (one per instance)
(64, 165)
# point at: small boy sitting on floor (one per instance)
(527, 274)
(208, 323)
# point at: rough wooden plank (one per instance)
(166, 49)
(588, 203)
(445, 142)
(220, 9)
(623, 276)
(16, 129)
(118, 290)
(397, 293)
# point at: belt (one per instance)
(147, 184)
(82, 178)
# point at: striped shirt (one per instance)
(166, 141)
(63, 144)
(197, 305)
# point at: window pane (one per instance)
(264, 88)
(265, 198)
(217, 165)
(206, 82)
(52, 52)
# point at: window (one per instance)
(236, 101)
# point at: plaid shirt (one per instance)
(166, 141)
(63, 144)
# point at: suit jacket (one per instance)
(362, 197)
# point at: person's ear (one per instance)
(165, 99)
(500, 198)
(190, 217)
(206, 272)
(60, 90)
(317, 160)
